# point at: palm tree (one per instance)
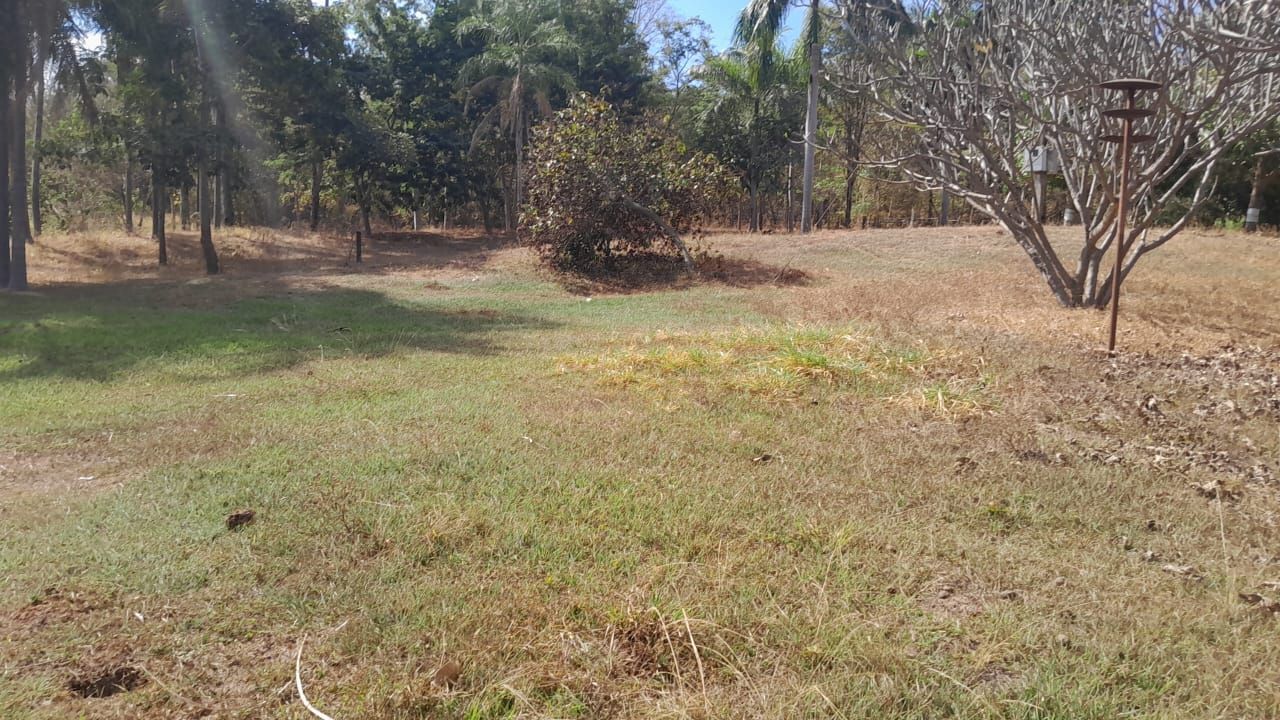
(518, 65)
(750, 109)
(758, 25)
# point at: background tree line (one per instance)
(364, 113)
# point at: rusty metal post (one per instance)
(1121, 228)
(1127, 139)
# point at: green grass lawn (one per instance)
(709, 501)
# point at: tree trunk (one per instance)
(316, 176)
(18, 204)
(506, 204)
(519, 163)
(202, 172)
(206, 219)
(229, 199)
(484, 216)
(811, 130)
(666, 228)
(226, 183)
(37, 226)
(754, 220)
(364, 220)
(1253, 213)
(850, 179)
(128, 192)
(184, 206)
(216, 182)
(791, 226)
(158, 193)
(944, 208)
(5, 136)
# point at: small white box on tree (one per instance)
(1043, 159)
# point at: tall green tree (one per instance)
(518, 69)
(758, 26)
(748, 110)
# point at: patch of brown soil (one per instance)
(25, 473)
(55, 606)
(952, 601)
(108, 681)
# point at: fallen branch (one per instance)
(656, 219)
(297, 681)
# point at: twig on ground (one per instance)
(702, 677)
(297, 682)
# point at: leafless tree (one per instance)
(648, 16)
(981, 84)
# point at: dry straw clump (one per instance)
(787, 361)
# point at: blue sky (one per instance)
(721, 15)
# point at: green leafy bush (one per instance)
(598, 188)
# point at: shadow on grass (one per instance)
(98, 335)
(431, 250)
(644, 272)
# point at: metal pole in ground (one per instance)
(1123, 213)
(1127, 140)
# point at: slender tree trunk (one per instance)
(202, 171)
(5, 137)
(1253, 213)
(316, 177)
(811, 128)
(206, 219)
(850, 179)
(226, 179)
(184, 206)
(519, 163)
(228, 199)
(128, 191)
(506, 203)
(18, 204)
(37, 226)
(158, 193)
(755, 209)
(944, 209)
(364, 220)
(484, 214)
(216, 182)
(791, 226)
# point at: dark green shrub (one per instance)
(598, 188)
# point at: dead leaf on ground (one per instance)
(1187, 571)
(240, 518)
(447, 676)
(1262, 603)
(1215, 489)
